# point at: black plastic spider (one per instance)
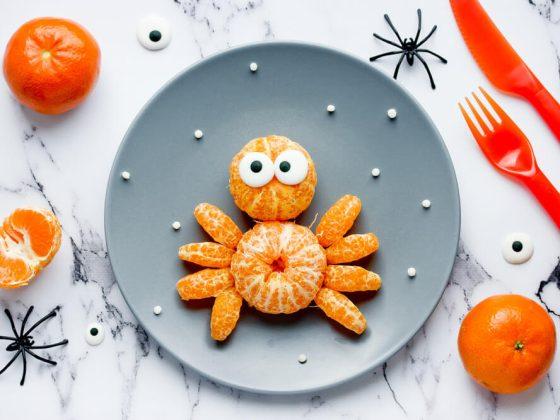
(409, 48)
(23, 343)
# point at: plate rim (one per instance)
(417, 326)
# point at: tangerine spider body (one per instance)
(278, 266)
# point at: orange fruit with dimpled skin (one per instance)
(29, 239)
(507, 343)
(275, 200)
(51, 64)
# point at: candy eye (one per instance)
(256, 169)
(95, 334)
(291, 167)
(517, 248)
(153, 33)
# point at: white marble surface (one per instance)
(63, 162)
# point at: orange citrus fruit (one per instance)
(338, 220)
(507, 343)
(29, 239)
(51, 64)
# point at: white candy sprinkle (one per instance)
(411, 272)
(254, 67)
(302, 358)
(392, 113)
(157, 309)
(375, 172)
(331, 108)
(125, 175)
(426, 203)
(198, 134)
(176, 225)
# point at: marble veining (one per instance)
(129, 376)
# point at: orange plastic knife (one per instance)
(500, 63)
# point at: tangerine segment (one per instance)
(352, 248)
(225, 313)
(338, 307)
(278, 267)
(206, 254)
(206, 283)
(275, 200)
(15, 271)
(350, 278)
(29, 239)
(338, 220)
(218, 225)
(38, 229)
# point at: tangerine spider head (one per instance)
(272, 178)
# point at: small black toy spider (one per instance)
(23, 343)
(409, 48)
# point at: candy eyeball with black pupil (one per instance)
(95, 334)
(256, 169)
(517, 248)
(291, 167)
(153, 32)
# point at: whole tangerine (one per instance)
(51, 64)
(507, 343)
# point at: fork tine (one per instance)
(497, 108)
(488, 114)
(481, 123)
(474, 130)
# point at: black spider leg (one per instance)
(10, 362)
(25, 320)
(395, 74)
(24, 367)
(48, 346)
(9, 315)
(427, 36)
(46, 317)
(433, 53)
(375, 57)
(432, 83)
(419, 12)
(388, 19)
(42, 359)
(379, 37)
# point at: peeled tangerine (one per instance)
(29, 239)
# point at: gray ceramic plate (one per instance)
(288, 95)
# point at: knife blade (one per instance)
(500, 62)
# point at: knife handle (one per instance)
(549, 109)
(546, 194)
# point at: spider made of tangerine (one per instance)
(278, 266)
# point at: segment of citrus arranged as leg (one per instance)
(507, 343)
(278, 266)
(29, 239)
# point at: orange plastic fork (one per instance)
(507, 148)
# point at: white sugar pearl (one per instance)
(331, 108)
(302, 358)
(375, 172)
(254, 67)
(125, 175)
(426, 204)
(392, 113)
(198, 134)
(411, 272)
(157, 309)
(176, 225)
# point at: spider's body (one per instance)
(278, 267)
(409, 48)
(23, 344)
